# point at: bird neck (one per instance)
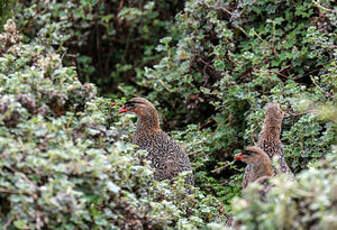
(263, 168)
(272, 129)
(148, 122)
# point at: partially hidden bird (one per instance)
(166, 156)
(259, 161)
(261, 168)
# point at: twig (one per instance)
(165, 87)
(243, 31)
(278, 73)
(195, 152)
(199, 142)
(258, 36)
(323, 8)
(207, 123)
(195, 144)
(230, 13)
(218, 170)
(8, 222)
(121, 3)
(322, 90)
(299, 114)
(223, 9)
(8, 191)
(326, 93)
(271, 71)
(222, 182)
(285, 68)
(33, 186)
(206, 63)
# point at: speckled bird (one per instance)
(261, 168)
(259, 162)
(270, 141)
(165, 154)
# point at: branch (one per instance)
(278, 73)
(164, 86)
(8, 223)
(218, 170)
(9, 191)
(222, 9)
(323, 8)
(271, 71)
(287, 67)
(322, 90)
(195, 152)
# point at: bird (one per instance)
(259, 162)
(269, 140)
(166, 156)
(261, 172)
(270, 136)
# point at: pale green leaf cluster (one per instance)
(65, 165)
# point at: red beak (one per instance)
(238, 157)
(123, 110)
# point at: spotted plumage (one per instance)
(165, 154)
(270, 141)
(261, 168)
(259, 162)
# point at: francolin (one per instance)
(166, 156)
(269, 140)
(261, 167)
(259, 162)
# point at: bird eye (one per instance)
(129, 105)
(247, 153)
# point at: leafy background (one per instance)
(209, 67)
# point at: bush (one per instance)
(226, 60)
(6, 7)
(109, 41)
(209, 71)
(307, 203)
(310, 203)
(64, 165)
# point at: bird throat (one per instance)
(147, 125)
(263, 169)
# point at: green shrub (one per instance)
(309, 202)
(64, 165)
(225, 60)
(210, 71)
(109, 41)
(6, 7)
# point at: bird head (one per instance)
(251, 155)
(139, 106)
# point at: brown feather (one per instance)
(165, 154)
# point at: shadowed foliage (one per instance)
(209, 67)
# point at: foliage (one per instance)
(307, 203)
(209, 67)
(6, 7)
(65, 165)
(226, 60)
(108, 41)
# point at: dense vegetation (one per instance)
(209, 67)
